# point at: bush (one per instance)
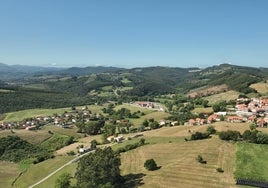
(201, 160)
(220, 170)
(150, 164)
(199, 136)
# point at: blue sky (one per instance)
(134, 33)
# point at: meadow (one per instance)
(251, 161)
(227, 96)
(261, 87)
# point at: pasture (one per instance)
(34, 137)
(261, 87)
(179, 166)
(38, 171)
(8, 173)
(251, 161)
(227, 96)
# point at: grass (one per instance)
(23, 114)
(5, 90)
(229, 95)
(251, 161)
(36, 86)
(178, 164)
(38, 171)
(64, 131)
(203, 110)
(34, 137)
(133, 108)
(8, 173)
(156, 115)
(261, 87)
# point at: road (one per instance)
(54, 172)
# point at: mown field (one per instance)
(227, 96)
(176, 157)
(23, 114)
(261, 87)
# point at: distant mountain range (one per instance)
(15, 72)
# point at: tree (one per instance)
(64, 181)
(93, 144)
(99, 169)
(150, 164)
(211, 130)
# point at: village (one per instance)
(254, 110)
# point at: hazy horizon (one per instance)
(134, 33)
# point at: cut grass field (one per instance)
(8, 173)
(176, 157)
(38, 171)
(251, 161)
(261, 87)
(178, 163)
(23, 114)
(34, 137)
(227, 96)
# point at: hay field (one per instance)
(179, 167)
(34, 137)
(8, 173)
(229, 95)
(261, 87)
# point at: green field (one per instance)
(227, 96)
(178, 163)
(8, 173)
(34, 137)
(251, 161)
(38, 171)
(21, 115)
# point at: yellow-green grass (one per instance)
(8, 173)
(156, 115)
(34, 137)
(133, 108)
(107, 88)
(261, 87)
(179, 167)
(5, 90)
(125, 80)
(50, 182)
(39, 171)
(227, 96)
(31, 113)
(36, 86)
(23, 114)
(251, 161)
(125, 88)
(203, 110)
(64, 131)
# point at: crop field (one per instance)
(179, 166)
(227, 96)
(251, 161)
(261, 87)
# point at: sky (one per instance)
(134, 33)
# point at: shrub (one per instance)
(150, 164)
(200, 159)
(220, 170)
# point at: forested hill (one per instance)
(78, 86)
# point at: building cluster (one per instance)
(254, 110)
(64, 120)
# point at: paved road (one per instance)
(52, 173)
